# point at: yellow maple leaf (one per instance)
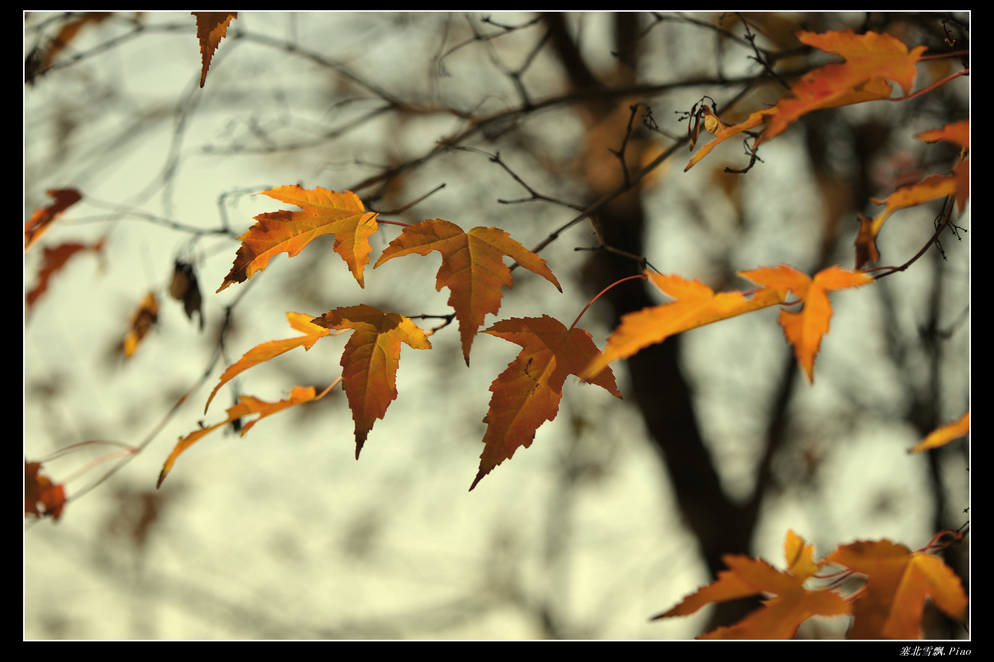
(805, 329)
(323, 212)
(370, 360)
(897, 583)
(944, 434)
(268, 350)
(246, 405)
(695, 305)
(472, 267)
(780, 615)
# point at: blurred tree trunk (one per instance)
(658, 386)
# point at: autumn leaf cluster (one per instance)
(526, 395)
(528, 392)
(894, 583)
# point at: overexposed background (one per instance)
(282, 534)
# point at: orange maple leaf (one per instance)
(370, 360)
(53, 260)
(141, 321)
(247, 405)
(897, 583)
(211, 29)
(805, 329)
(871, 60)
(268, 350)
(930, 188)
(781, 615)
(472, 267)
(944, 434)
(43, 217)
(324, 212)
(957, 132)
(39, 489)
(696, 305)
(528, 392)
